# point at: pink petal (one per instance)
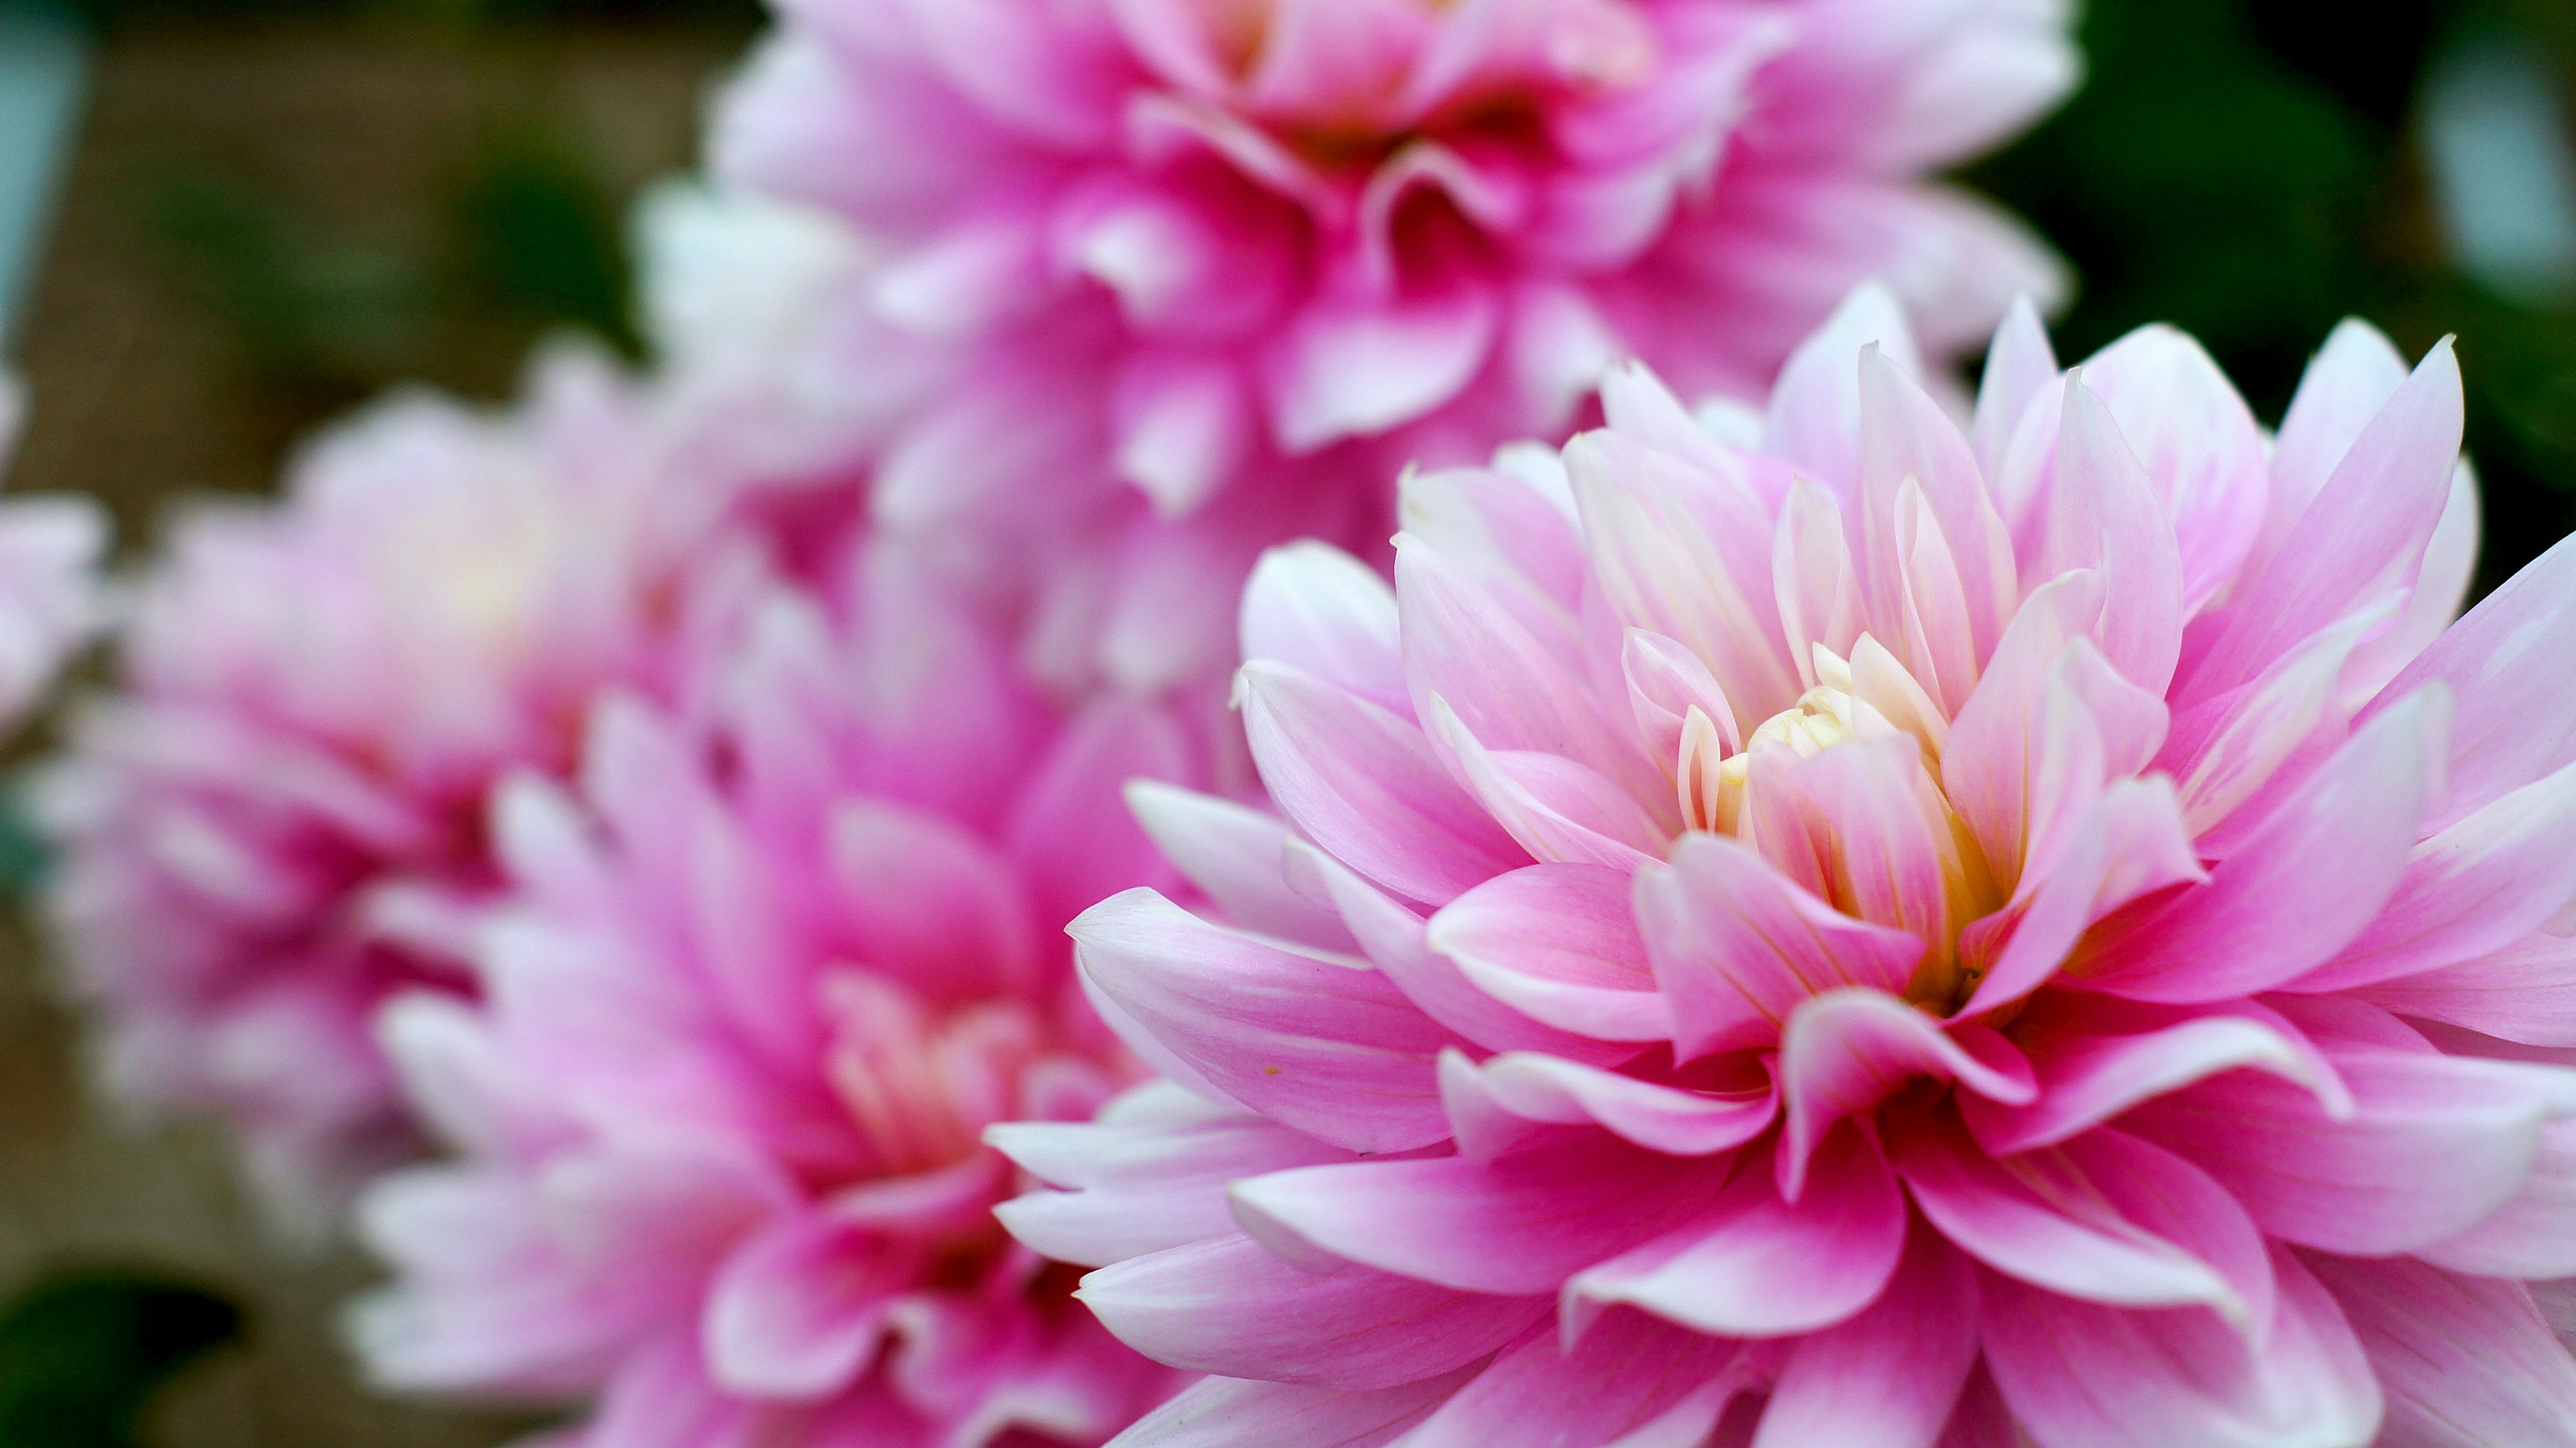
(2533, 1235)
(1847, 1050)
(1558, 943)
(1350, 369)
(1236, 856)
(1219, 1412)
(1329, 1050)
(2095, 1057)
(1814, 418)
(1314, 606)
(2515, 721)
(1519, 1224)
(1616, 1381)
(2228, 750)
(1736, 949)
(798, 1309)
(1140, 1187)
(930, 901)
(2463, 1360)
(1183, 427)
(1534, 1089)
(2472, 889)
(2102, 511)
(2346, 384)
(1558, 810)
(1069, 830)
(1366, 786)
(1229, 1306)
(2020, 366)
(2133, 843)
(2082, 1375)
(1891, 1376)
(2107, 1218)
(2525, 992)
(1684, 552)
(2376, 512)
(1430, 976)
(1906, 437)
(1754, 1265)
(1817, 586)
(2306, 882)
(2433, 1145)
(2201, 449)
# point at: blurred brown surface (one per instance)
(143, 388)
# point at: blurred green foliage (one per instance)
(81, 1354)
(2247, 170)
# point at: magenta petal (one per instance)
(1229, 1306)
(2304, 884)
(2069, 1220)
(1891, 1376)
(1623, 1378)
(1847, 1050)
(1754, 1265)
(1365, 785)
(798, 1309)
(2096, 1057)
(2463, 1360)
(2081, 1375)
(1536, 1088)
(1228, 1412)
(1327, 1049)
(1559, 944)
(1736, 948)
(1519, 1224)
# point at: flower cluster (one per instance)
(755, 993)
(1237, 262)
(1869, 931)
(277, 818)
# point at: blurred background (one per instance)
(222, 221)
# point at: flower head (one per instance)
(1887, 930)
(1244, 259)
(276, 817)
(751, 998)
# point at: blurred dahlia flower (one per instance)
(275, 819)
(1252, 256)
(750, 1002)
(1849, 930)
(50, 551)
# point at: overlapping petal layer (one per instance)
(2026, 931)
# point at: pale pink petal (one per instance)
(1320, 609)
(2201, 449)
(2305, 883)
(1559, 944)
(1365, 785)
(2533, 1235)
(1847, 1050)
(1228, 1306)
(1619, 1379)
(1814, 418)
(2020, 366)
(1519, 1224)
(1558, 810)
(2346, 384)
(2082, 1375)
(797, 1310)
(2524, 992)
(2462, 1360)
(1536, 1089)
(1237, 856)
(2133, 843)
(1328, 1049)
(1222, 1411)
(1345, 368)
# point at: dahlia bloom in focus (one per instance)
(749, 1002)
(1849, 930)
(50, 550)
(1253, 256)
(275, 819)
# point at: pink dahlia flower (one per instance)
(50, 551)
(750, 1002)
(1848, 930)
(275, 818)
(1253, 256)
